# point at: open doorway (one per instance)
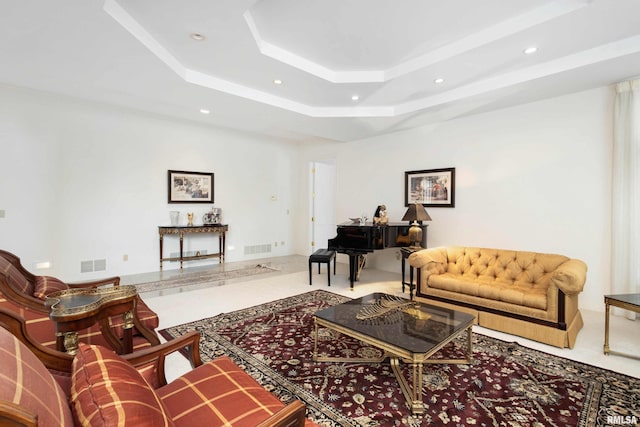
(323, 203)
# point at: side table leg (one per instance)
(606, 328)
(403, 266)
(127, 339)
(410, 283)
(71, 343)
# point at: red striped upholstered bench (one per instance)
(24, 294)
(109, 390)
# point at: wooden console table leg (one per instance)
(161, 252)
(181, 243)
(224, 244)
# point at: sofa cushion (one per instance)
(221, 393)
(15, 279)
(25, 381)
(108, 391)
(46, 285)
(518, 293)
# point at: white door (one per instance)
(323, 203)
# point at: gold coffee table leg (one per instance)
(413, 395)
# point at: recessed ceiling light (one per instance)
(355, 97)
(277, 82)
(197, 36)
(530, 50)
(439, 80)
(204, 111)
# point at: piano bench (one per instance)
(323, 256)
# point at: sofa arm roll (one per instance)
(570, 276)
(423, 258)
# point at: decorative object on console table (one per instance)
(175, 217)
(190, 187)
(415, 215)
(221, 229)
(432, 187)
(212, 217)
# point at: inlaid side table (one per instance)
(626, 301)
(76, 309)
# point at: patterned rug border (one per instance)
(201, 277)
(318, 410)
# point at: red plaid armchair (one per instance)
(111, 390)
(24, 293)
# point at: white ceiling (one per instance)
(140, 54)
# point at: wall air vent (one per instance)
(86, 266)
(257, 249)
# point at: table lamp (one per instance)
(415, 215)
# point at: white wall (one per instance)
(535, 177)
(82, 181)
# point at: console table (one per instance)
(181, 230)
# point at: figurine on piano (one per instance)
(380, 217)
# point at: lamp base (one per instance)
(415, 236)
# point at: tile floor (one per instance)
(181, 305)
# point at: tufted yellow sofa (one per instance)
(533, 295)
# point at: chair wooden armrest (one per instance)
(52, 359)
(291, 415)
(14, 415)
(115, 281)
(157, 354)
(23, 300)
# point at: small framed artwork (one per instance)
(432, 187)
(190, 187)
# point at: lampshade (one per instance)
(416, 212)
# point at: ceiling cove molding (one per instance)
(612, 50)
(595, 55)
(544, 13)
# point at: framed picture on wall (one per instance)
(432, 187)
(190, 187)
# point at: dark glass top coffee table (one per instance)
(626, 301)
(404, 330)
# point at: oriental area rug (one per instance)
(505, 385)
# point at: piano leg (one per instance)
(356, 264)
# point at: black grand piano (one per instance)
(357, 240)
